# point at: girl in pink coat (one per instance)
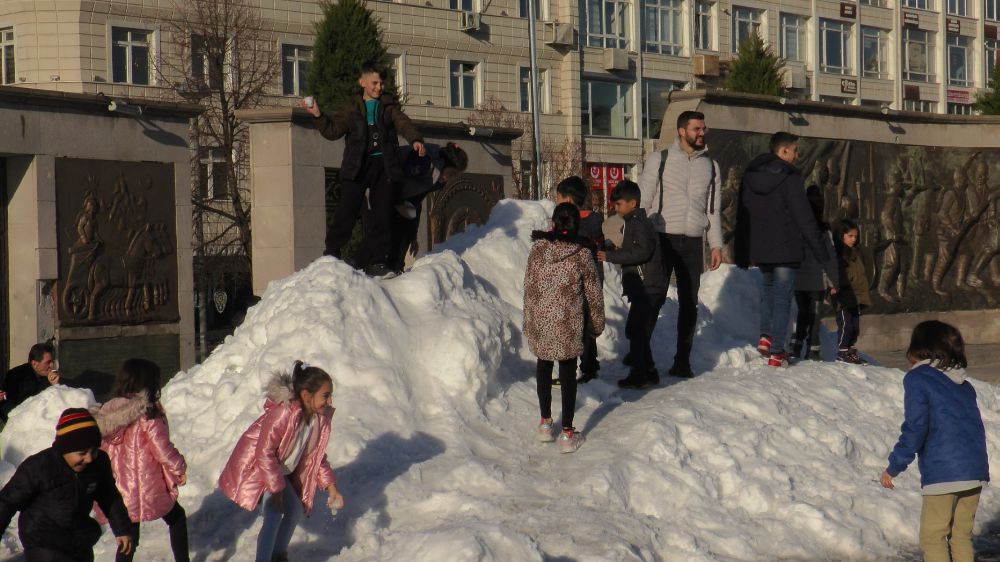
(282, 458)
(147, 467)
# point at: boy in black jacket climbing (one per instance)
(55, 490)
(643, 282)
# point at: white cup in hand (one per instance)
(310, 101)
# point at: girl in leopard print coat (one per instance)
(561, 273)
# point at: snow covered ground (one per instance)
(434, 436)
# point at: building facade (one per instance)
(604, 64)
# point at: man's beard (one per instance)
(692, 141)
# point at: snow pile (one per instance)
(434, 447)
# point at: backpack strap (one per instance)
(711, 189)
(659, 179)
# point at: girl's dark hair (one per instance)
(843, 227)
(940, 342)
(566, 219)
(139, 376)
(308, 378)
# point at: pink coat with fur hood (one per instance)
(146, 464)
(255, 464)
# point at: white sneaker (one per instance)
(545, 434)
(570, 440)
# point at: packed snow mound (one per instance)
(434, 436)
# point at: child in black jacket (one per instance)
(55, 490)
(643, 282)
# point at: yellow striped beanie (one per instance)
(76, 431)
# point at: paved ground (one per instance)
(984, 361)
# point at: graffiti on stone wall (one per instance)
(466, 200)
(929, 217)
(117, 257)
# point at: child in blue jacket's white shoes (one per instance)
(943, 427)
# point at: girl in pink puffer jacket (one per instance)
(282, 457)
(147, 467)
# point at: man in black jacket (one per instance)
(55, 490)
(24, 381)
(370, 172)
(773, 220)
(644, 282)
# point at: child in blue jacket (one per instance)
(942, 426)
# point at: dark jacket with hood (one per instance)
(639, 256)
(774, 217)
(352, 120)
(55, 502)
(21, 383)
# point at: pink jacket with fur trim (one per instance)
(146, 464)
(255, 464)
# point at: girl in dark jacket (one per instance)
(852, 291)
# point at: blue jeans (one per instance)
(776, 303)
(276, 532)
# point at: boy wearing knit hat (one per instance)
(55, 490)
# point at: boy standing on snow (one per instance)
(574, 190)
(942, 425)
(371, 170)
(55, 491)
(644, 282)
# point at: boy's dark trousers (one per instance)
(848, 327)
(684, 256)
(807, 319)
(644, 308)
(49, 555)
(374, 209)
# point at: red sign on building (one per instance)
(604, 177)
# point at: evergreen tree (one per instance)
(346, 38)
(756, 70)
(988, 103)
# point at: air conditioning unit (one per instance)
(558, 34)
(615, 59)
(468, 21)
(705, 65)
(795, 78)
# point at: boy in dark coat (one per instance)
(55, 490)
(643, 282)
(371, 123)
(574, 190)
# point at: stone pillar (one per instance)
(288, 197)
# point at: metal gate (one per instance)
(4, 315)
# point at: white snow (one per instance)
(433, 442)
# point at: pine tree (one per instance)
(756, 70)
(988, 103)
(346, 38)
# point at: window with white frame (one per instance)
(746, 22)
(918, 55)
(958, 7)
(662, 27)
(924, 106)
(992, 10)
(703, 29)
(876, 3)
(212, 175)
(294, 69)
(960, 109)
(607, 23)
(992, 50)
(524, 80)
(464, 5)
(522, 9)
(834, 47)
(397, 71)
(875, 53)
(793, 37)
(654, 105)
(208, 57)
(131, 52)
(918, 4)
(464, 84)
(958, 60)
(837, 99)
(7, 55)
(607, 109)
